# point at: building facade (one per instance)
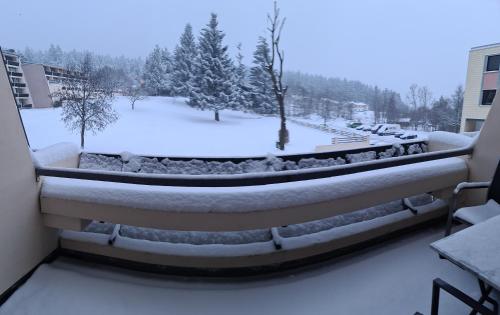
(481, 86)
(17, 79)
(45, 82)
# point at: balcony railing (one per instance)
(12, 63)
(255, 179)
(15, 74)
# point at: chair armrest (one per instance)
(454, 200)
(470, 185)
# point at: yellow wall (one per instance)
(472, 97)
(24, 241)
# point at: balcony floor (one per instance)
(392, 278)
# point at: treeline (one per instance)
(123, 71)
(428, 113)
(333, 97)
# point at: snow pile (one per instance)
(129, 162)
(351, 217)
(100, 162)
(361, 157)
(313, 162)
(195, 238)
(55, 154)
(255, 236)
(395, 151)
(449, 138)
(139, 164)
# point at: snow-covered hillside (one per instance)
(167, 126)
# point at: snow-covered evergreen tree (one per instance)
(54, 55)
(263, 99)
(242, 97)
(183, 63)
(167, 76)
(155, 71)
(213, 86)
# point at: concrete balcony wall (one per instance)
(25, 240)
(486, 154)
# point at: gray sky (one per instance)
(391, 43)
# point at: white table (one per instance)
(475, 249)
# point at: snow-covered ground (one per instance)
(167, 126)
(393, 279)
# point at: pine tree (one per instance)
(54, 56)
(166, 60)
(183, 63)
(457, 101)
(242, 94)
(263, 99)
(213, 86)
(155, 72)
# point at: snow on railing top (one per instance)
(250, 179)
(54, 154)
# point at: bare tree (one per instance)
(274, 66)
(87, 101)
(425, 102)
(424, 96)
(134, 94)
(412, 100)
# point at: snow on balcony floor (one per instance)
(392, 278)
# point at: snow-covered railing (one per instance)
(299, 196)
(251, 179)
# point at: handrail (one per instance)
(250, 179)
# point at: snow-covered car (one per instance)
(399, 133)
(408, 136)
(367, 128)
(354, 125)
(391, 132)
(388, 129)
(375, 128)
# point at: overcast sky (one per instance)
(390, 43)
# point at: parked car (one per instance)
(354, 124)
(408, 136)
(375, 128)
(399, 133)
(388, 129)
(391, 132)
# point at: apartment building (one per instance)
(481, 85)
(45, 82)
(17, 79)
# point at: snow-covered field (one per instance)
(167, 126)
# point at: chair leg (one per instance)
(451, 210)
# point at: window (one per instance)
(473, 124)
(493, 63)
(488, 96)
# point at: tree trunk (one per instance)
(82, 136)
(283, 133)
(216, 113)
(133, 105)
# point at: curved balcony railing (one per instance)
(254, 179)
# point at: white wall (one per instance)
(24, 241)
